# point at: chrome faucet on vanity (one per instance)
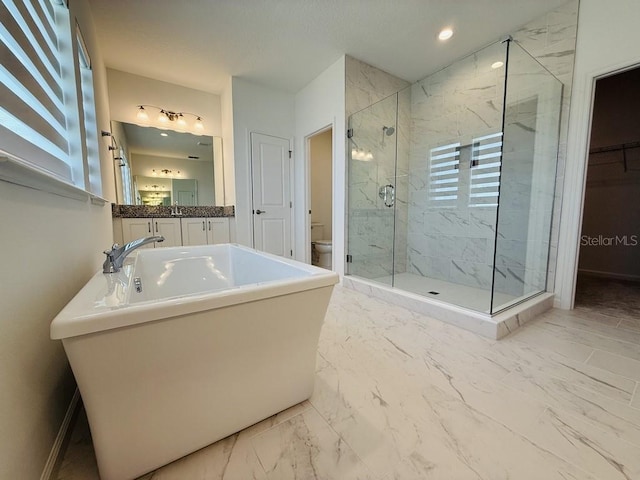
(117, 254)
(175, 211)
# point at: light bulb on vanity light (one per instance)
(169, 117)
(142, 113)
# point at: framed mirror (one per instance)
(161, 167)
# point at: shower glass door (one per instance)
(372, 191)
(528, 177)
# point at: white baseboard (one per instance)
(611, 275)
(64, 431)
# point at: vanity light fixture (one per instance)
(165, 172)
(165, 116)
(445, 34)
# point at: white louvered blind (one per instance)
(444, 167)
(87, 106)
(33, 124)
(486, 159)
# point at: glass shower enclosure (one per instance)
(451, 182)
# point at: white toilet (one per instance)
(320, 247)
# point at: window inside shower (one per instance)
(451, 182)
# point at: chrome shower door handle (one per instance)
(388, 195)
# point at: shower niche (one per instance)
(451, 183)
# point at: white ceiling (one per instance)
(285, 44)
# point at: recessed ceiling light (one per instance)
(164, 134)
(445, 34)
(495, 65)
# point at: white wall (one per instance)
(321, 180)
(52, 246)
(262, 110)
(608, 38)
(318, 105)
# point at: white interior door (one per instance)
(270, 172)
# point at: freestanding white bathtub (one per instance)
(219, 338)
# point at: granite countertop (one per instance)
(144, 211)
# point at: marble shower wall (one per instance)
(551, 40)
(453, 239)
(529, 156)
(371, 104)
(456, 244)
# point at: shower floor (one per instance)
(461, 295)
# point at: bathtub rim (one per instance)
(81, 316)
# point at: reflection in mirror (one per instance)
(158, 191)
(162, 167)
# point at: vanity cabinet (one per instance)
(169, 228)
(176, 231)
(205, 231)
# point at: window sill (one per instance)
(19, 172)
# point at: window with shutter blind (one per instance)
(48, 128)
(33, 124)
(89, 130)
(486, 160)
(444, 165)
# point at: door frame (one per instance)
(307, 191)
(291, 189)
(575, 181)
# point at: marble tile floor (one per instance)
(478, 299)
(400, 396)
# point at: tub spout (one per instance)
(117, 254)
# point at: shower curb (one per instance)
(493, 327)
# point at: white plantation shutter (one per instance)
(33, 123)
(87, 106)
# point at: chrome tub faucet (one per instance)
(117, 254)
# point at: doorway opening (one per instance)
(608, 277)
(320, 147)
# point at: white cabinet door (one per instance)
(194, 231)
(170, 229)
(218, 230)
(177, 231)
(134, 228)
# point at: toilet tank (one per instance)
(317, 231)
